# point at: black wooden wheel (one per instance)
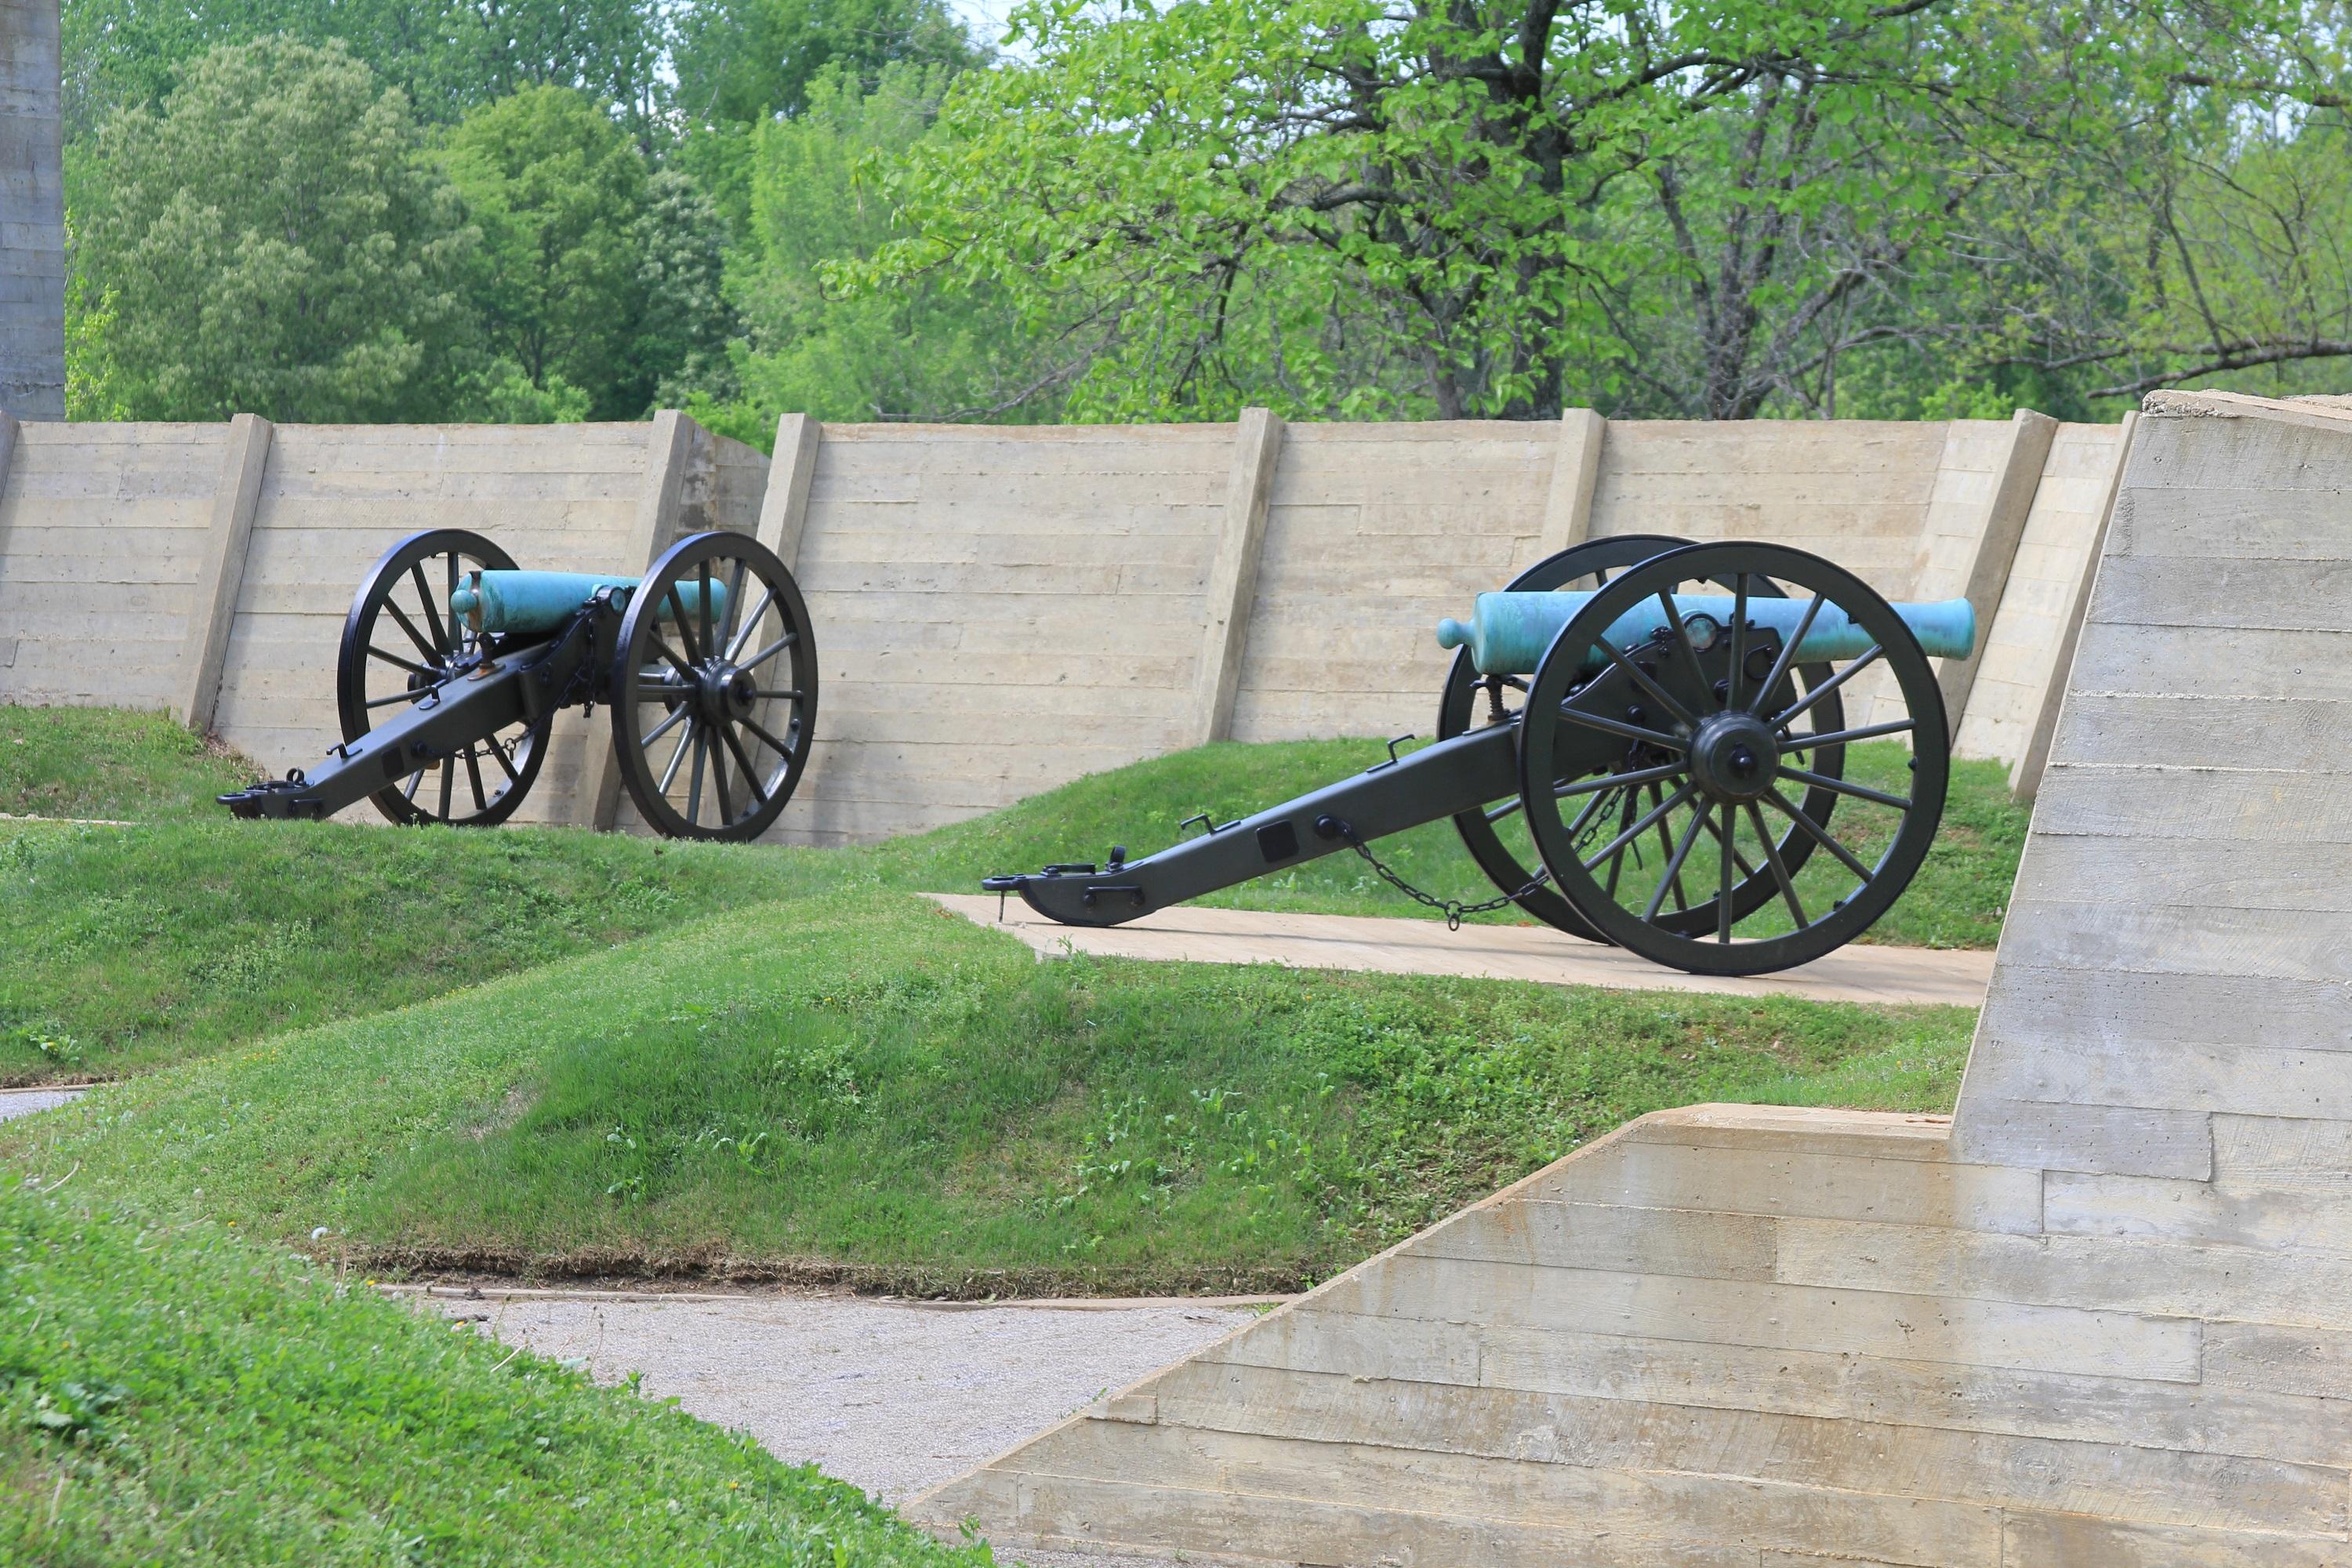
(714, 689)
(401, 645)
(1730, 760)
(1495, 834)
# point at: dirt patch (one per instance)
(489, 1266)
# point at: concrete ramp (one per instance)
(2102, 1319)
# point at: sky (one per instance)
(986, 17)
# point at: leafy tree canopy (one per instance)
(1498, 206)
(559, 192)
(923, 350)
(267, 241)
(450, 55)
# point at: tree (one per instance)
(448, 55)
(1498, 206)
(560, 194)
(744, 61)
(925, 349)
(267, 241)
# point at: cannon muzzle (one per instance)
(540, 602)
(1509, 634)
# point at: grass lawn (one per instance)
(170, 1394)
(189, 932)
(856, 1086)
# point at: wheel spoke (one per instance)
(1625, 834)
(677, 755)
(425, 596)
(1637, 829)
(685, 631)
(773, 744)
(1655, 692)
(707, 645)
(505, 762)
(771, 651)
(428, 649)
(1682, 633)
(777, 696)
(734, 607)
(1860, 792)
(1667, 843)
(1727, 853)
(1674, 867)
(398, 662)
(1840, 737)
(1782, 721)
(448, 786)
(1738, 643)
(1619, 727)
(1819, 836)
(694, 791)
(1780, 871)
(404, 696)
(1787, 654)
(415, 779)
(474, 777)
(1638, 775)
(678, 715)
(719, 772)
(750, 624)
(1504, 810)
(750, 775)
(685, 671)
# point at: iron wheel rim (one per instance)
(1879, 883)
(1456, 714)
(681, 672)
(393, 650)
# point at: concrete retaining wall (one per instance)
(1001, 610)
(32, 213)
(2101, 1318)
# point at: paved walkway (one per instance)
(1199, 935)
(891, 1397)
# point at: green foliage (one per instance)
(446, 54)
(560, 194)
(169, 1393)
(861, 1086)
(926, 348)
(268, 241)
(746, 61)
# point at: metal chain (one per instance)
(1455, 909)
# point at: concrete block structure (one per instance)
(32, 213)
(2101, 1318)
(1001, 610)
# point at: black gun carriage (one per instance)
(1642, 741)
(454, 664)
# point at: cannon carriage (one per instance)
(454, 663)
(1642, 741)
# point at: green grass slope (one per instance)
(188, 933)
(171, 1395)
(856, 1086)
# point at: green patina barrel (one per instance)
(511, 602)
(1507, 634)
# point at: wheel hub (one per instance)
(726, 692)
(1735, 756)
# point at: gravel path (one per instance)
(15, 1102)
(892, 1397)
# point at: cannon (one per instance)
(455, 662)
(1641, 741)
